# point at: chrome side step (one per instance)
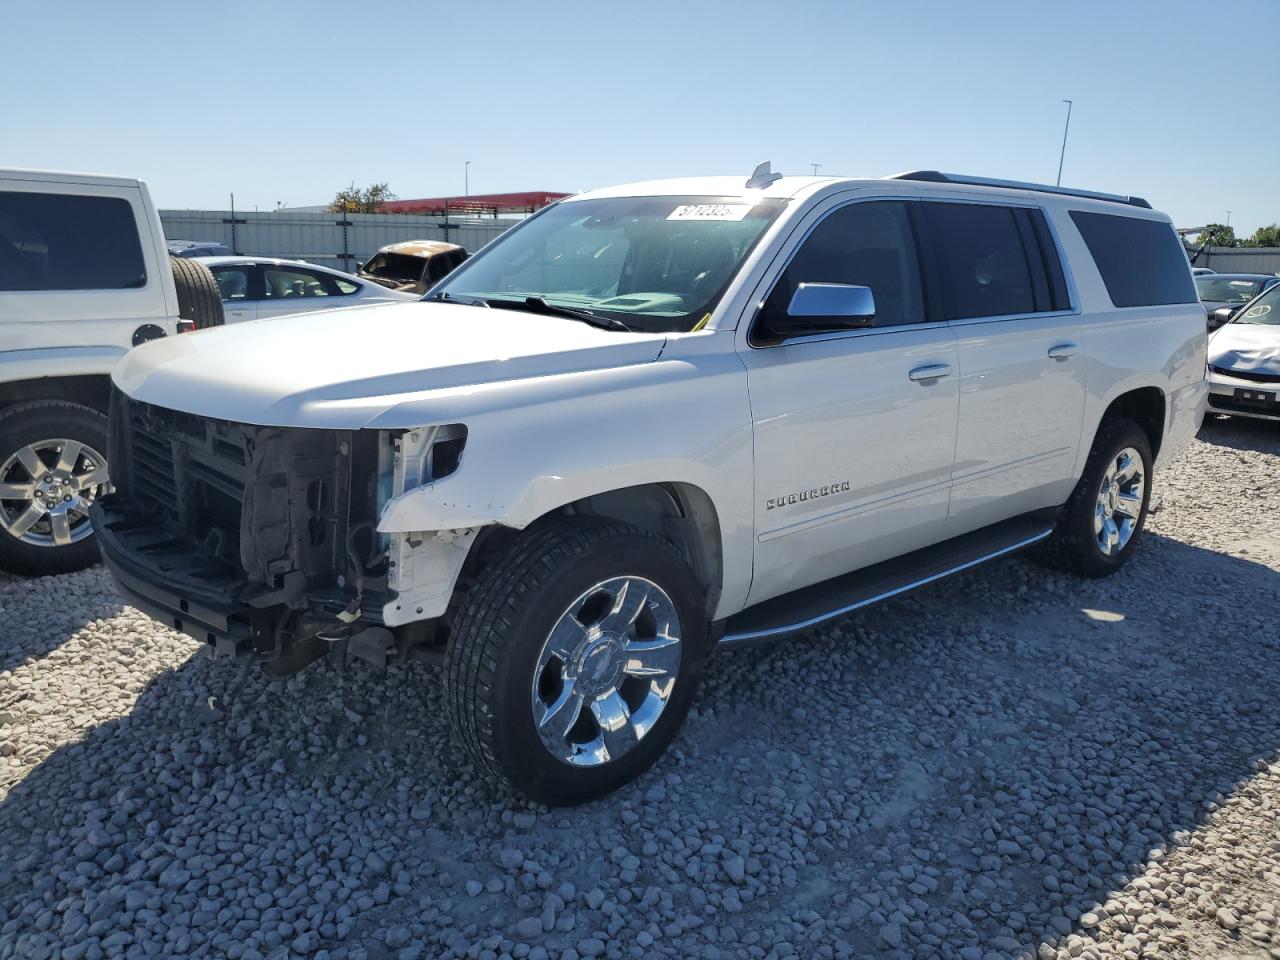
(811, 606)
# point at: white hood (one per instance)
(342, 368)
(1251, 347)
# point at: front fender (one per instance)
(675, 421)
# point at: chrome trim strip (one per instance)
(984, 472)
(733, 639)
(962, 322)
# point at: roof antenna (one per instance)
(762, 176)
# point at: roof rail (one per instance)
(933, 176)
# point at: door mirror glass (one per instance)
(832, 305)
(1220, 316)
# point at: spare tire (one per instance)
(199, 299)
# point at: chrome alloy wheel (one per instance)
(606, 671)
(1119, 504)
(46, 489)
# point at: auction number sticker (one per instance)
(711, 211)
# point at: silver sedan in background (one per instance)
(257, 287)
(1244, 361)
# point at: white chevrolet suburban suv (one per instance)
(651, 420)
(84, 276)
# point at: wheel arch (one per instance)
(679, 512)
(92, 390)
(1145, 406)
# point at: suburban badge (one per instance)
(841, 486)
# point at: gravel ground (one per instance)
(1011, 763)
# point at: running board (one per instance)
(810, 606)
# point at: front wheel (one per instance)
(1101, 522)
(52, 467)
(573, 660)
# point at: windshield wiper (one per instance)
(534, 305)
(541, 305)
(604, 323)
(444, 296)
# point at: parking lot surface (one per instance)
(1011, 763)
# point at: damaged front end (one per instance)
(260, 541)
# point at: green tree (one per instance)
(369, 200)
(1218, 235)
(1264, 237)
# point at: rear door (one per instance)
(996, 276)
(854, 429)
(241, 287)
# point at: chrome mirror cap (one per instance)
(846, 303)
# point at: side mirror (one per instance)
(1220, 316)
(832, 305)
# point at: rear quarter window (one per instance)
(52, 241)
(1142, 262)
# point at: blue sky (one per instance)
(288, 101)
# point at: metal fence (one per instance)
(342, 241)
(1241, 259)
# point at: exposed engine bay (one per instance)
(257, 540)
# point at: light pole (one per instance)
(1065, 127)
(466, 179)
(815, 168)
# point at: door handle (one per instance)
(1061, 351)
(934, 371)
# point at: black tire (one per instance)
(199, 297)
(32, 423)
(499, 630)
(1073, 546)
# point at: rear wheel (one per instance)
(1102, 521)
(574, 660)
(52, 467)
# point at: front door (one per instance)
(854, 429)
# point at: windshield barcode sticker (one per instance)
(711, 211)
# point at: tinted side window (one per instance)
(287, 282)
(869, 244)
(1141, 261)
(233, 282)
(439, 267)
(979, 261)
(51, 241)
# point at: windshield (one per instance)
(1227, 290)
(1265, 310)
(395, 266)
(653, 263)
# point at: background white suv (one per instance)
(84, 276)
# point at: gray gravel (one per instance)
(1008, 764)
